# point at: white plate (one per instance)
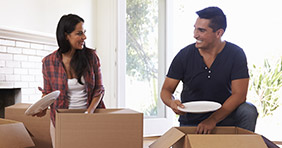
(43, 103)
(200, 106)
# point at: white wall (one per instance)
(42, 16)
(107, 47)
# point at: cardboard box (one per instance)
(14, 135)
(39, 127)
(106, 128)
(221, 137)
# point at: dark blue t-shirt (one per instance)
(201, 83)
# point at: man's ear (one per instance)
(219, 33)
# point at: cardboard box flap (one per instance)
(225, 140)
(100, 111)
(14, 134)
(243, 131)
(168, 139)
(20, 106)
(230, 130)
(38, 127)
(185, 130)
(217, 130)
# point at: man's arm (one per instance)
(239, 89)
(167, 91)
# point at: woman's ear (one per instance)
(66, 36)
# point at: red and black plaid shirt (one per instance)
(55, 78)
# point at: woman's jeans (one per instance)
(245, 116)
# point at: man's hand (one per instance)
(206, 126)
(173, 105)
(41, 113)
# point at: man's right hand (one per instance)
(167, 91)
(41, 113)
(174, 104)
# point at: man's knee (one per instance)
(247, 110)
(246, 115)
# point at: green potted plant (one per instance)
(265, 84)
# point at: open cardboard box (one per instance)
(107, 128)
(39, 127)
(221, 137)
(13, 134)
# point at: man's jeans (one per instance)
(245, 116)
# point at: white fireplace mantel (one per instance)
(27, 36)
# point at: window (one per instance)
(145, 64)
(142, 61)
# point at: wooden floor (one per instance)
(279, 143)
(148, 141)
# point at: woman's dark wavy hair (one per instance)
(216, 16)
(80, 59)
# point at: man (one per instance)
(211, 70)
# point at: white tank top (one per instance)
(77, 94)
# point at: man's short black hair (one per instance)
(215, 15)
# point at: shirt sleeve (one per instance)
(99, 87)
(46, 82)
(240, 66)
(176, 69)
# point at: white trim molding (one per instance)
(27, 36)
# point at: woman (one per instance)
(73, 69)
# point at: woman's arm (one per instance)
(94, 103)
(99, 88)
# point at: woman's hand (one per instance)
(41, 113)
(95, 102)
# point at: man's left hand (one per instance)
(206, 126)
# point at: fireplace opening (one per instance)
(9, 97)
